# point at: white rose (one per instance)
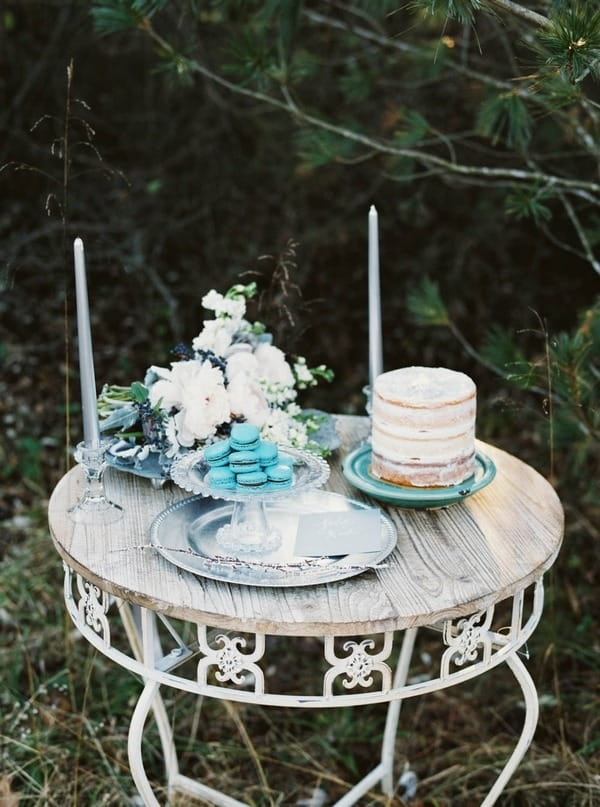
(274, 369)
(247, 399)
(197, 391)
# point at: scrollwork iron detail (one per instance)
(92, 608)
(468, 641)
(358, 666)
(231, 663)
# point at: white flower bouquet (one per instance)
(231, 373)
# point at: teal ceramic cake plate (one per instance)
(357, 470)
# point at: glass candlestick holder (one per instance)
(93, 507)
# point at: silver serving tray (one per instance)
(185, 534)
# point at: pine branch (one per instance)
(430, 160)
(532, 96)
(524, 13)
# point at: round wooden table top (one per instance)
(447, 563)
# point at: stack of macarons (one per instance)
(243, 461)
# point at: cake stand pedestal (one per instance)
(248, 530)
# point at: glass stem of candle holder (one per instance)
(93, 507)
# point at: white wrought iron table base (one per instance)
(473, 647)
(469, 575)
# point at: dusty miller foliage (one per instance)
(528, 71)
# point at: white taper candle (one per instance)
(375, 343)
(91, 427)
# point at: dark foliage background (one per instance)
(178, 185)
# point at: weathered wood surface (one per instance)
(447, 563)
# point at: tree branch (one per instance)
(591, 258)
(430, 160)
(591, 144)
(524, 13)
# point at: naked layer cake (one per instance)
(423, 427)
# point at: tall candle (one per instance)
(375, 348)
(91, 427)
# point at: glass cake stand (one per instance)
(249, 530)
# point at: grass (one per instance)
(65, 712)
(65, 709)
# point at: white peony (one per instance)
(274, 368)
(242, 363)
(197, 390)
(246, 399)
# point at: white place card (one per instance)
(336, 533)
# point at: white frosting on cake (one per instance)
(423, 426)
(424, 386)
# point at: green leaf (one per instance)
(461, 10)
(252, 57)
(110, 16)
(356, 83)
(239, 291)
(120, 419)
(571, 45)
(414, 128)
(425, 304)
(504, 117)
(139, 392)
(528, 202)
(500, 350)
(317, 148)
(289, 15)
(568, 356)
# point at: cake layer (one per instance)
(420, 474)
(426, 446)
(407, 417)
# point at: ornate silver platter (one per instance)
(185, 534)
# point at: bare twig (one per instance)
(589, 255)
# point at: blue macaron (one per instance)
(244, 437)
(254, 480)
(243, 461)
(279, 476)
(223, 478)
(285, 459)
(268, 453)
(217, 454)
